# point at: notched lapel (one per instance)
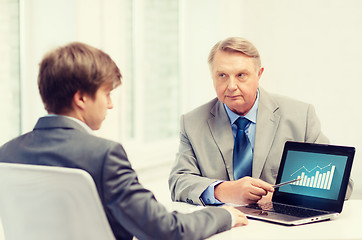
(266, 127)
(221, 131)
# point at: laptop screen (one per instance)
(324, 171)
(321, 174)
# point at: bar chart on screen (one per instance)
(317, 177)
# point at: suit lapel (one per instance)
(221, 131)
(266, 127)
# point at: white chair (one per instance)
(43, 203)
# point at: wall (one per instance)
(310, 50)
(48, 24)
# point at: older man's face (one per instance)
(236, 80)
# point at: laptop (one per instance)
(320, 173)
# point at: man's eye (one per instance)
(240, 75)
(222, 75)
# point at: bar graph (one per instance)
(317, 177)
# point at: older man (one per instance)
(230, 148)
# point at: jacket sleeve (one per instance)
(186, 181)
(315, 135)
(136, 209)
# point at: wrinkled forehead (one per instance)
(224, 60)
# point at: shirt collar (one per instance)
(85, 126)
(251, 115)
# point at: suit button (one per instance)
(189, 201)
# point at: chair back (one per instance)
(45, 202)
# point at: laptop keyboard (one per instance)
(286, 209)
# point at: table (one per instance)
(348, 225)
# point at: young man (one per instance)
(75, 82)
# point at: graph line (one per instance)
(311, 169)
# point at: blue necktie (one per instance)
(243, 153)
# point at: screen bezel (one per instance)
(315, 202)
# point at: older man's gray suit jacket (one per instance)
(206, 143)
(130, 209)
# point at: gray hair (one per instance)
(236, 44)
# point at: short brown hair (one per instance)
(75, 66)
(236, 44)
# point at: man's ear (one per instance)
(79, 100)
(260, 72)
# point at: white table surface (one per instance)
(348, 225)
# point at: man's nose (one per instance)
(110, 104)
(232, 86)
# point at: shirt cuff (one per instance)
(208, 196)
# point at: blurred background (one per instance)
(311, 50)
